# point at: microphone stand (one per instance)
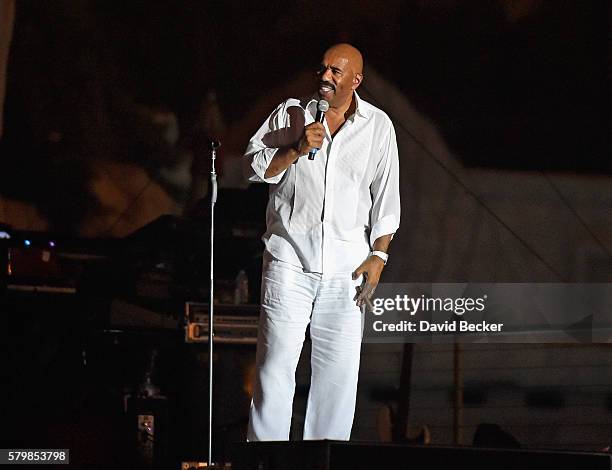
(214, 145)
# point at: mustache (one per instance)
(326, 83)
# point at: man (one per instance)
(329, 224)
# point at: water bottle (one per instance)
(241, 288)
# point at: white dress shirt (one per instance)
(324, 215)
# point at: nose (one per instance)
(326, 74)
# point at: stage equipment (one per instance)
(342, 455)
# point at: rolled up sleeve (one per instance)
(258, 156)
(385, 212)
(257, 163)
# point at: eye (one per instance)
(335, 70)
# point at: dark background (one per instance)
(518, 85)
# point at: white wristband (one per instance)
(381, 254)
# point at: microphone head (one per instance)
(322, 106)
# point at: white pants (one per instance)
(290, 299)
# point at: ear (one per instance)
(357, 80)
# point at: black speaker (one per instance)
(336, 455)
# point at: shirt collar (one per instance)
(360, 105)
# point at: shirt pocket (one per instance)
(350, 173)
(353, 159)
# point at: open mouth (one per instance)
(326, 87)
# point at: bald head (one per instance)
(349, 53)
(340, 73)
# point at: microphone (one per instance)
(322, 107)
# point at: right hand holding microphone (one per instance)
(314, 134)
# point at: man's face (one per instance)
(336, 79)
